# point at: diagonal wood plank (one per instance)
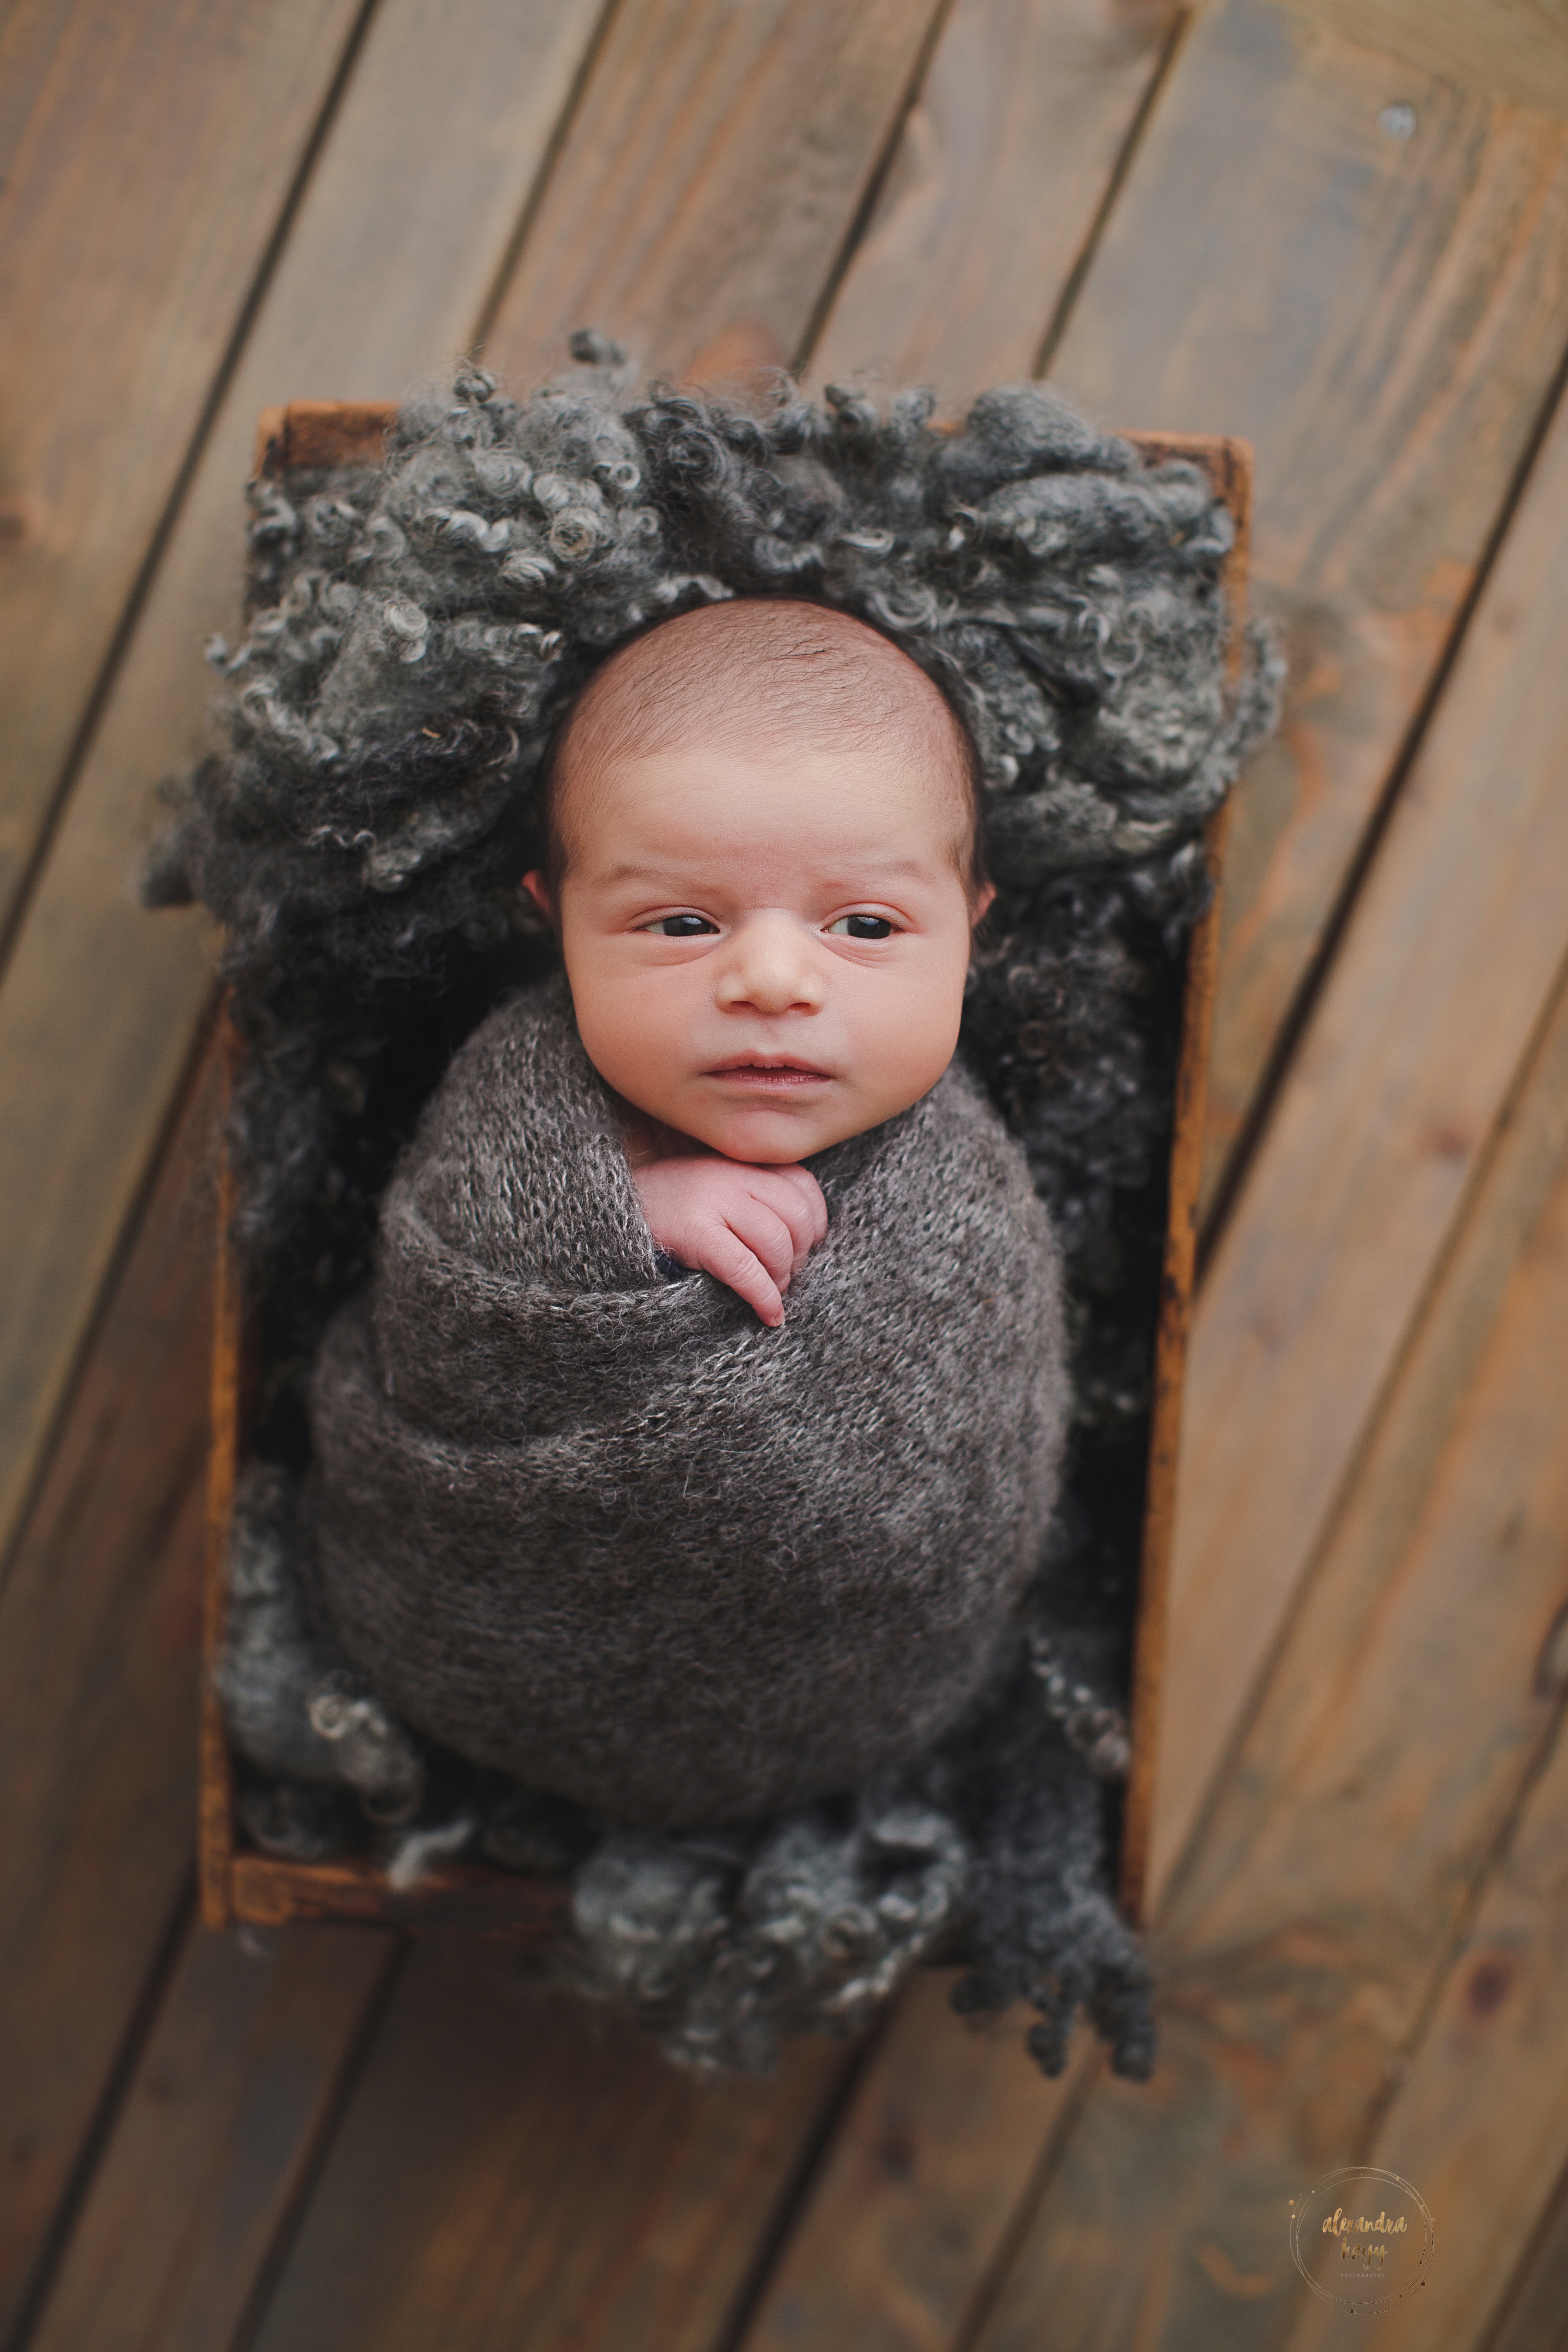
(1422, 1498)
(1384, 318)
(1401, 1727)
(1398, 1081)
(100, 1000)
(1006, 158)
(1516, 49)
(711, 176)
(99, 1624)
(1531, 2320)
(236, 2087)
(928, 2177)
(125, 296)
(570, 2187)
(1480, 2122)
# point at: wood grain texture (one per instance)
(99, 1642)
(1480, 2123)
(228, 1400)
(125, 295)
(1229, 465)
(1532, 2318)
(1396, 1083)
(520, 2168)
(100, 999)
(1005, 159)
(1404, 1722)
(234, 2088)
(1384, 319)
(912, 2206)
(1514, 48)
(323, 433)
(710, 177)
(466, 1899)
(1411, 1490)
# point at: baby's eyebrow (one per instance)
(638, 873)
(891, 868)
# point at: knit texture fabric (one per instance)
(606, 1531)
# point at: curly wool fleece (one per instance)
(606, 1532)
(420, 633)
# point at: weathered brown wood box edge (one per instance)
(239, 1885)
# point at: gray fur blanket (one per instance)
(600, 1529)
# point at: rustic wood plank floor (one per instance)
(1336, 232)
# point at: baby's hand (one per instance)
(753, 1227)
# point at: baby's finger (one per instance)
(805, 1186)
(759, 1226)
(769, 1198)
(810, 1191)
(796, 1197)
(724, 1254)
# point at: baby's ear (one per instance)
(980, 908)
(538, 889)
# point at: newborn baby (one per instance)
(702, 1423)
(763, 871)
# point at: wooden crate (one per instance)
(478, 1899)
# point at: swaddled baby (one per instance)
(701, 1425)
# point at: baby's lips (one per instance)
(780, 1073)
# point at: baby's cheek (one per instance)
(625, 1037)
(913, 1042)
(640, 1079)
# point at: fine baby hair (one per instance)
(912, 1782)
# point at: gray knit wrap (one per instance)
(604, 1530)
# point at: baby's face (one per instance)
(766, 948)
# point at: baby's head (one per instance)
(762, 827)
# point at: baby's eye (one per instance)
(681, 927)
(862, 927)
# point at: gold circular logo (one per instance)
(1362, 2237)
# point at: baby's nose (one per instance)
(771, 970)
